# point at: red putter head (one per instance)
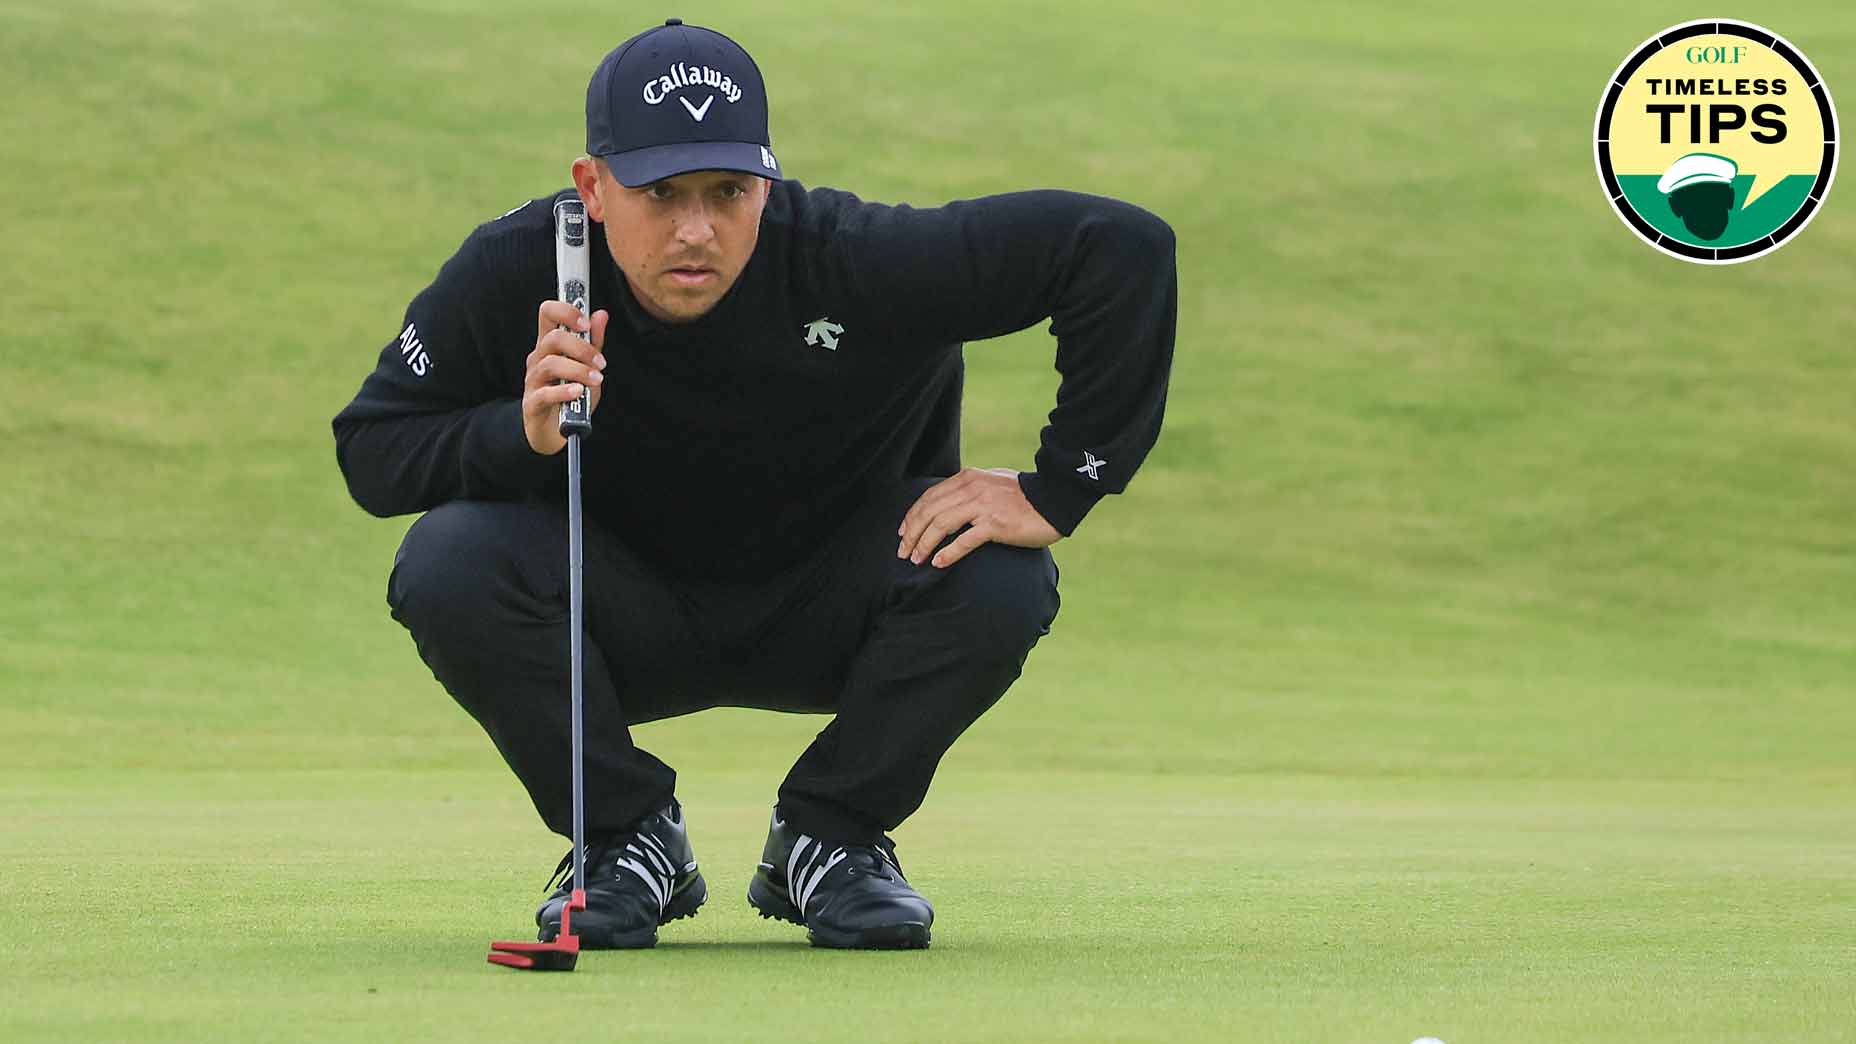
(560, 955)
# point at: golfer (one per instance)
(776, 514)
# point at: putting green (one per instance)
(1471, 659)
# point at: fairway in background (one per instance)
(1473, 656)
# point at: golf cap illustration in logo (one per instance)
(1700, 187)
(677, 98)
(1716, 141)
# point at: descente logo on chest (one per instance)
(680, 76)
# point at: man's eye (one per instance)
(733, 190)
(662, 192)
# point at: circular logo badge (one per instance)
(1716, 141)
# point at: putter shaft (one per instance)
(576, 626)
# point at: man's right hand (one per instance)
(560, 355)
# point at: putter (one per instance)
(570, 268)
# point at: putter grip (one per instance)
(570, 272)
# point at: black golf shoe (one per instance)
(848, 896)
(635, 881)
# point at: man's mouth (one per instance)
(690, 275)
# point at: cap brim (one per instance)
(1667, 186)
(643, 166)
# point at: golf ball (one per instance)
(1427, 1040)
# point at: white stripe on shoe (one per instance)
(654, 851)
(807, 867)
(818, 874)
(792, 867)
(654, 879)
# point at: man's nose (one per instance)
(694, 227)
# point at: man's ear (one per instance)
(586, 182)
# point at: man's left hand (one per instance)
(987, 498)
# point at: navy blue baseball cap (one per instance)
(677, 98)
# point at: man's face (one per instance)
(681, 242)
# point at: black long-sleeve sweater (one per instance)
(730, 446)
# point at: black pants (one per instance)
(906, 656)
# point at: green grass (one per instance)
(1472, 658)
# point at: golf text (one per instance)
(1721, 118)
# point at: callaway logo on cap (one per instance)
(677, 98)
